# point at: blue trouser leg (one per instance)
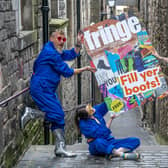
(102, 146)
(48, 103)
(54, 126)
(130, 143)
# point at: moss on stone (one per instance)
(31, 135)
(161, 139)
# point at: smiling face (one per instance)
(90, 109)
(58, 38)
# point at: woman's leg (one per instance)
(125, 145)
(100, 146)
(120, 151)
(130, 143)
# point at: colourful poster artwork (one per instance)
(128, 73)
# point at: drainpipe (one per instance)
(79, 58)
(139, 5)
(45, 10)
(79, 61)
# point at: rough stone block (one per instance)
(11, 28)
(1, 19)
(3, 34)
(26, 39)
(26, 71)
(9, 16)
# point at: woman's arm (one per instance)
(162, 58)
(110, 121)
(101, 108)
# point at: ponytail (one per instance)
(81, 113)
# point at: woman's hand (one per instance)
(113, 116)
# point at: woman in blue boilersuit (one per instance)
(47, 71)
(92, 125)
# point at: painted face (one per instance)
(59, 40)
(90, 109)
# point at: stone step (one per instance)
(42, 157)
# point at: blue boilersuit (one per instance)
(48, 69)
(103, 142)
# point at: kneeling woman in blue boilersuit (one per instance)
(92, 125)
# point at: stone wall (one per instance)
(18, 50)
(20, 43)
(86, 77)
(69, 91)
(154, 14)
(89, 85)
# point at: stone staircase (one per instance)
(43, 157)
(128, 124)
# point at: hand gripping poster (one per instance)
(128, 73)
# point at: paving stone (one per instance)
(43, 157)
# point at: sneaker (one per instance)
(131, 156)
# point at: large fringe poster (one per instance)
(128, 73)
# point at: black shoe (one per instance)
(101, 65)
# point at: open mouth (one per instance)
(61, 45)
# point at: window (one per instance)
(61, 9)
(26, 15)
(25, 25)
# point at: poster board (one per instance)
(128, 73)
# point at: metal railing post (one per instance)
(46, 132)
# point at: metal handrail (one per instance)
(46, 123)
(5, 102)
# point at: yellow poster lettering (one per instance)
(117, 105)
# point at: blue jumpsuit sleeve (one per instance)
(88, 130)
(60, 66)
(91, 130)
(69, 55)
(101, 108)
